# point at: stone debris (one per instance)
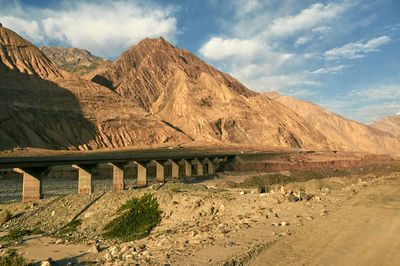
(94, 249)
(293, 198)
(60, 241)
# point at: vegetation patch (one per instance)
(136, 219)
(5, 217)
(70, 227)
(12, 258)
(17, 234)
(174, 188)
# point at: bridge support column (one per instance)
(198, 166)
(84, 178)
(141, 174)
(174, 170)
(160, 173)
(31, 186)
(118, 176)
(187, 168)
(210, 166)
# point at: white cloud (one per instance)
(302, 40)
(28, 28)
(322, 29)
(329, 70)
(221, 49)
(370, 104)
(356, 49)
(306, 19)
(106, 28)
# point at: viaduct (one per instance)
(34, 168)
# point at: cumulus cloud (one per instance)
(104, 27)
(306, 19)
(28, 28)
(221, 49)
(356, 50)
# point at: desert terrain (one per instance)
(307, 187)
(332, 216)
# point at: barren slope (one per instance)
(206, 104)
(342, 133)
(389, 124)
(43, 106)
(77, 61)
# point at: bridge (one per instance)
(34, 168)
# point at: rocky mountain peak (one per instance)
(19, 54)
(145, 71)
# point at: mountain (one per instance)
(157, 93)
(77, 61)
(43, 106)
(342, 133)
(204, 103)
(389, 124)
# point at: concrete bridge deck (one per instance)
(191, 162)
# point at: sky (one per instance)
(343, 55)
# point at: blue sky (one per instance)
(342, 55)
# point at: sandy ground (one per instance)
(364, 230)
(348, 221)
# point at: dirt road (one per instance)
(365, 230)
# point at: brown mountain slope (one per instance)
(45, 107)
(77, 61)
(206, 104)
(389, 124)
(342, 133)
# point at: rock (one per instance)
(293, 198)
(108, 257)
(45, 263)
(53, 213)
(317, 199)
(283, 224)
(60, 241)
(114, 251)
(305, 196)
(94, 249)
(309, 218)
(261, 189)
(124, 249)
(221, 208)
(242, 193)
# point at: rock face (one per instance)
(208, 105)
(342, 133)
(43, 106)
(74, 60)
(389, 124)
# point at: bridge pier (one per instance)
(210, 165)
(118, 176)
(31, 184)
(84, 178)
(141, 174)
(198, 166)
(160, 171)
(187, 168)
(174, 169)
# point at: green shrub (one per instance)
(13, 259)
(174, 188)
(5, 217)
(70, 227)
(17, 234)
(136, 220)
